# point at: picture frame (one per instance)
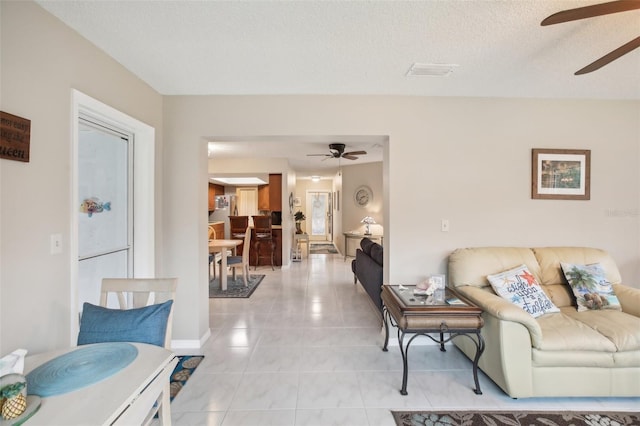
(561, 174)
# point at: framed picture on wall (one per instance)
(561, 174)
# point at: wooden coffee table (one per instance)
(419, 316)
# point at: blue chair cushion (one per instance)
(232, 260)
(142, 325)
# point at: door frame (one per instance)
(143, 191)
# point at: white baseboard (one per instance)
(190, 347)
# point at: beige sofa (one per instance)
(571, 353)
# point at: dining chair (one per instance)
(237, 226)
(140, 292)
(264, 235)
(240, 261)
(212, 256)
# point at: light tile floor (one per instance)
(305, 349)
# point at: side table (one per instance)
(420, 316)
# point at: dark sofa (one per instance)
(367, 268)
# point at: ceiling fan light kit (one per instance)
(336, 150)
(591, 12)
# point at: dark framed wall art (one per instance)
(561, 174)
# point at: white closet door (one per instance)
(104, 208)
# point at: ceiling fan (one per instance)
(590, 12)
(336, 150)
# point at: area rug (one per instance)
(322, 248)
(183, 371)
(496, 418)
(235, 288)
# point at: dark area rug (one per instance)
(183, 371)
(322, 248)
(235, 288)
(497, 418)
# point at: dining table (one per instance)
(115, 383)
(221, 246)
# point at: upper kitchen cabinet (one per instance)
(270, 196)
(214, 190)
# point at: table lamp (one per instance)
(368, 220)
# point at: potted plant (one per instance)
(299, 217)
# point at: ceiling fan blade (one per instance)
(349, 157)
(319, 155)
(355, 153)
(610, 57)
(591, 11)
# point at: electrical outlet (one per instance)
(56, 243)
(444, 225)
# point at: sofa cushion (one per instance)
(621, 329)
(590, 287)
(562, 332)
(549, 259)
(377, 253)
(470, 266)
(365, 245)
(520, 287)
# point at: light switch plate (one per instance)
(56, 243)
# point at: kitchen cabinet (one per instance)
(270, 195)
(263, 198)
(214, 190)
(275, 192)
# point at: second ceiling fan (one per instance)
(593, 11)
(336, 150)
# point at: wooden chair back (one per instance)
(238, 224)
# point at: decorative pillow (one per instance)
(590, 286)
(142, 325)
(521, 288)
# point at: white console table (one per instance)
(358, 236)
(125, 398)
(297, 239)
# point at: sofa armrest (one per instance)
(503, 310)
(629, 298)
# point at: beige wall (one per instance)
(41, 61)
(353, 177)
(467, 160)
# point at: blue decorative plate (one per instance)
(79, 368)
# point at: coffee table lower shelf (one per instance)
(425, 320)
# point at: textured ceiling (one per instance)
(360, 47)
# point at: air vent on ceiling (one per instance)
(438, 70)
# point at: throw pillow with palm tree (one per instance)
(590, 287)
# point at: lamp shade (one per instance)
(368, 220)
